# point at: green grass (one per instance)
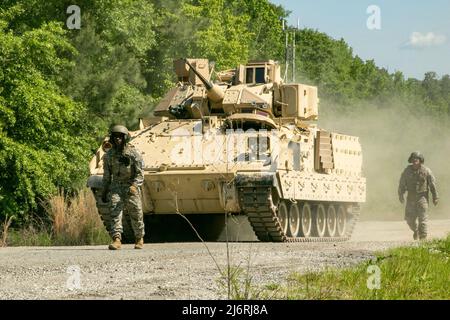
(29, 236)
(32, 236)
(417, 272)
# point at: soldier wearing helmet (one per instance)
(417, 180)
(122, 179)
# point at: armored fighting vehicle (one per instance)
(245, 146)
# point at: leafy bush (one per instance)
(43, 145)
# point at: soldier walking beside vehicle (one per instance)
(122, 179)
(417, 180)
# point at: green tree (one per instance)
(111, 51)
(226, 32)
(267, 38)
(223, 37)
(445, 91)
(108, 73)
(43, 142)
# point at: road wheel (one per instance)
(294, 220)
(283, 216)
(341, 221)
(331, 221)
(306, 221)
(319, 221)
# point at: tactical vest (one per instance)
(122, 166)
(417, 181)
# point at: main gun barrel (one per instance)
(215, 93)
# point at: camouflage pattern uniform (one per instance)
(417, 183)
(123, 169)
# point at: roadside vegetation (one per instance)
(238, 284)
(417, 272)
(69, 221)
(421, 271)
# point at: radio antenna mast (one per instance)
(293, 49)
(286, 49)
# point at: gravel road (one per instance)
(181, 270)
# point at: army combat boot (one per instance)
(422, 237)
(116, 245)
(139, 243)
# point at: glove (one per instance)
(402, 199)
(105, 196)
(435, 201)
(133, 189)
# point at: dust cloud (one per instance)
(388, 135)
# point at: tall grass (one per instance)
(34, 234)
(74, 221)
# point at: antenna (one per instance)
(290, 49)
(293, 56)
(293, 49)
(286, 49)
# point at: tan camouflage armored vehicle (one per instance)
(244, 149)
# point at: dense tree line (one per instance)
(61, 89)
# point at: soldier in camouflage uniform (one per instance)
(417, 180)
(123, 177)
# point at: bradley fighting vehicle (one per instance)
(243, 150)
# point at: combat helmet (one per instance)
(121, 129)
(416, 155)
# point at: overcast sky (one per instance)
(414, 36)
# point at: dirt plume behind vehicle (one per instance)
(388, 136)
